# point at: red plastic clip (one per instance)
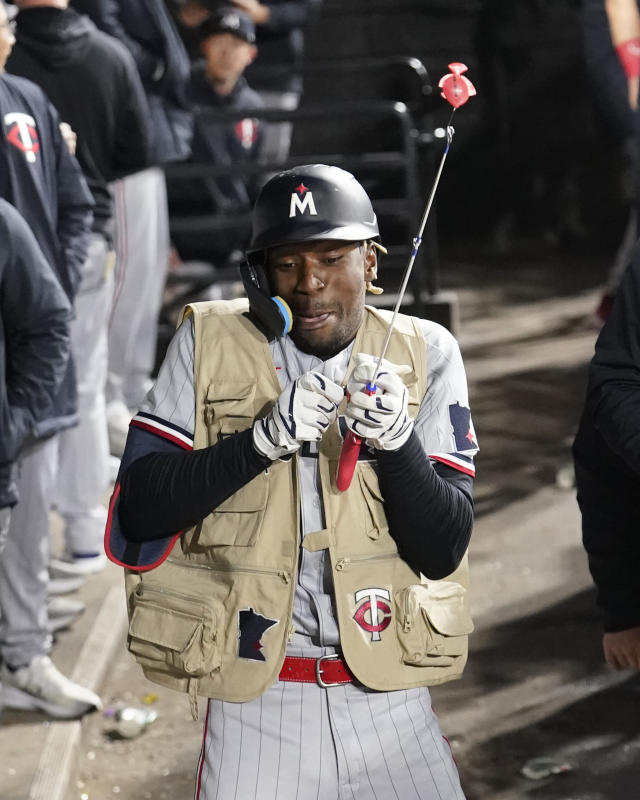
(456, 88)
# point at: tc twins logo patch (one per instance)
(246, 131)
(373, 614)
(301, 201)
(22, 134)
(251, 628)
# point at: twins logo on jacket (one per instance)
(246, 131)
(22, 133)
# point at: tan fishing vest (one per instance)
(214, 619)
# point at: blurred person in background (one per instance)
(142, 218)
(93, 82)
(276, 75)
(43, 181)
(34, 347)
(607, 466)
(526, 50)
(217, 84)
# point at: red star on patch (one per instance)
(469, 435)
(301, 189)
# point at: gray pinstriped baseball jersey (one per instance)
(300, 740)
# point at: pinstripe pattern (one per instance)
(142, 261)
(122, 254)
(299, 741)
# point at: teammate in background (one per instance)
(44, 182)
(240, 549)
(94, 84)
(276, 75)
(607, 465)
(142, 218)
(217, 84)
(34, 347)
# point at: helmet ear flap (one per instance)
(273, 312)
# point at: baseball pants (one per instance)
(301, 741)
(142, 262)
(276, 136)
(24, 576)
(84, 450)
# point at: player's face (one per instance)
(227, 56)
(7, 39)
(324, 284)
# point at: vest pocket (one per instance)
(375, 519)
(228, 409)
(174, 629)
(238, 520)
(433, 623)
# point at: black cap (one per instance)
(314, 201)
(229, 20)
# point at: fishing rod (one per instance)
(456, 89)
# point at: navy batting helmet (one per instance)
(307, 203)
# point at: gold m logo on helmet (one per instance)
(301, 204)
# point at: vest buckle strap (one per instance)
(326, 671)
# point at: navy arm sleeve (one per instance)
(162, 493)
(429, 509)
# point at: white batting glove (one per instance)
(381, 419)
(302, 413)
(5, 519)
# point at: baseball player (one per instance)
(313, 619)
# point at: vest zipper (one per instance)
(283, 574)
(344, 563)
(407, 622)
(143, 589)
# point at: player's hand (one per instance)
(302, 413)
(259, 12)
(382, 419)
(5, 519)
(622, 649)
(69, 136)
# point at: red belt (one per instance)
(325, 671)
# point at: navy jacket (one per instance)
(93, 83)
(607, 459)
(146, 29)
(44, 182)
(34, 341)
(217, 140)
